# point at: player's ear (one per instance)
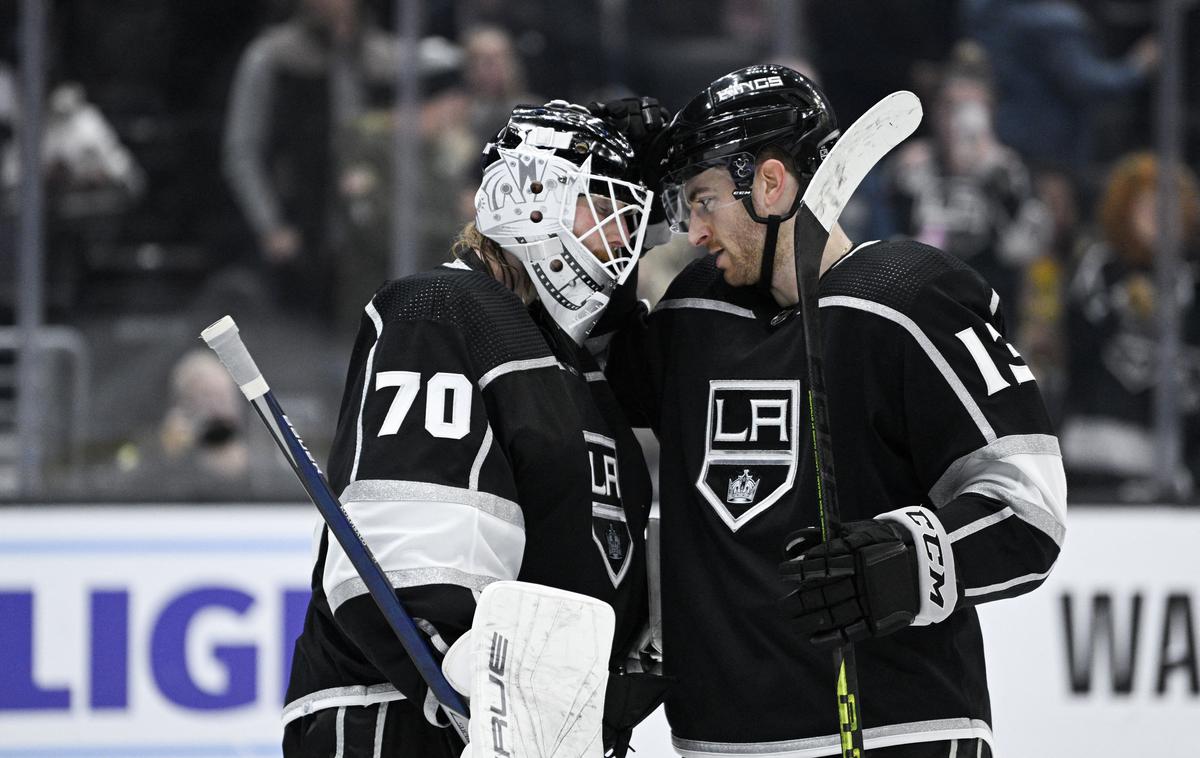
(770, 185)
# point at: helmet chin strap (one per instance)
(773, 222)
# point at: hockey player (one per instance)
(477, 441)
(951, 484)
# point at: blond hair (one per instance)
(471, 242)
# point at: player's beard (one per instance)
(742, 251)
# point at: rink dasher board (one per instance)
(147, 631)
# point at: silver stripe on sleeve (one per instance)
(979, 524)
(378, 322)
(994, 305)
(352, 588)
(704, 304)
(594, 376)
(484, 447)
(389, 490)
(1024, 472)
(829, 745)
(339, 696)
(935, 355)
(1014, 444)
(976, 591)
(511, 366)
(1030, 512)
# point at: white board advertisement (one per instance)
(148, 632)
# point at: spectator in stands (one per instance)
(457, 122)
(1113, 333)
(205, 419)
(201, 449)
(299, 88)
(564, 44)
(91, 179)
(1050, 76)
(963, 191)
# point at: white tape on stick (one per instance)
(223, 338)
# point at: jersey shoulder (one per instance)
(907, 277)
(493, 321)
(702, 280)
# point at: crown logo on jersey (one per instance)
(743, 488)
(615, 551)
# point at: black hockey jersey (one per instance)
(928, 405)
(475, 442)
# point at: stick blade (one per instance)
(888, 123)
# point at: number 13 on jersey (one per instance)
(987, 366)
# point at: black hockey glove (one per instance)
(623, 305)
(640, 119)
(859, 585)
(628, 700)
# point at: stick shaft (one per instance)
(868, 139)
(811, 236)
(236, 357)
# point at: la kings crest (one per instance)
(610, 530)
(751, 446)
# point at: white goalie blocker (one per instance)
(535, 667)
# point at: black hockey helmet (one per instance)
(743, 112)
(729, 123)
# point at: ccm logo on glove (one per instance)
(935, 562)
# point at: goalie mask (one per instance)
(561, 193)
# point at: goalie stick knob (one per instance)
(223, 338)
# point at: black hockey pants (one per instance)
(396, 729)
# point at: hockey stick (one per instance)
(223, 338)
(888, 123)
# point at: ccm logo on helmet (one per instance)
(739, 88)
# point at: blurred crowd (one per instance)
(239, 156)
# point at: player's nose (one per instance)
(698, 232)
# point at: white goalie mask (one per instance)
(559, 193)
